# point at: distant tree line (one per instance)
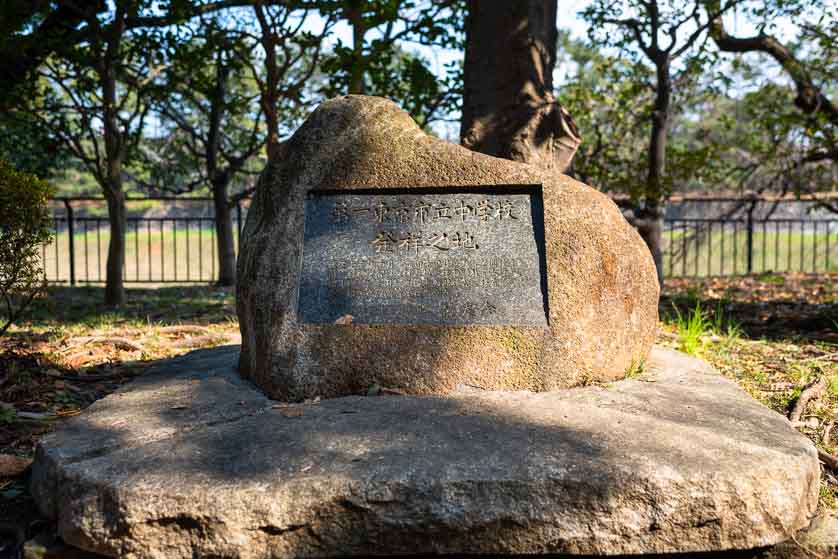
(179, 96)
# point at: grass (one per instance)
(691, 329)
(720, 254)
(152, 254)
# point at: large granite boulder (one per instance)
(598, 279)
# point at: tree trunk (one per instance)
(268, 96)
(508, 105)
(115, 154)
(650, 215)
(224, 235)
(219, 178)
(114, 286)
(357, 85)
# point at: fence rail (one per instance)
(723, 247)
(182, 249)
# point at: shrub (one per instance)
(24, 226)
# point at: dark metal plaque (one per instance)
(439, 256)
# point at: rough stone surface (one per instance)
(602, 289)
(193, 462)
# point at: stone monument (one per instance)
(476, 291)
(375, 254)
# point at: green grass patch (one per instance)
(721, 254)
(152, 254)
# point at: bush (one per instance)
(25, 224)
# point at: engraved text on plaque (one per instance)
(440, 256)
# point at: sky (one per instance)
(569, 20)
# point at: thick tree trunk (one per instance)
(649, 223)
(508, 105)
(224, 235)
(650, 215)
(114, 286)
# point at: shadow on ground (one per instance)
(768, 306)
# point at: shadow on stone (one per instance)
(191, 460)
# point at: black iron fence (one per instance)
(723, 247)
(173, 240)
(164, 248)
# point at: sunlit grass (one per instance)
(721, 254)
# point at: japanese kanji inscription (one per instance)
(440, 256)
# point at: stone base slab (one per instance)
(191, 461)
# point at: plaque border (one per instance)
(534, 190)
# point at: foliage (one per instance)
(207, 108)
(28, 146)
(25, 224)
(730, 111)
(378, 64)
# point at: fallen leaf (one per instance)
(291, 412)
(344, 320)
(11, 465)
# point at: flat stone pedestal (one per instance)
(191, 461)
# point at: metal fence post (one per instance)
(72, 238)
(750, 226)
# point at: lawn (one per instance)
(772, 334)
(155, 251)
(776, 247)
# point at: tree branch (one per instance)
(810, 99)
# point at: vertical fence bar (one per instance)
(697, 232)
(802, 246)
(722, 250)
(137, 249)
(71, 235)
(98, 249)
(86, 254)
(683, 248)
(814, 247)
(750, 249)
(789, 241)
(174, 242)
(162, 253)
(764, 241)
(55, 260)
(669, 248)
(776, 246)
(735, 247)
(148, 246)
(200, 250)
(709, 249)
(212, 238)
(188, 274)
